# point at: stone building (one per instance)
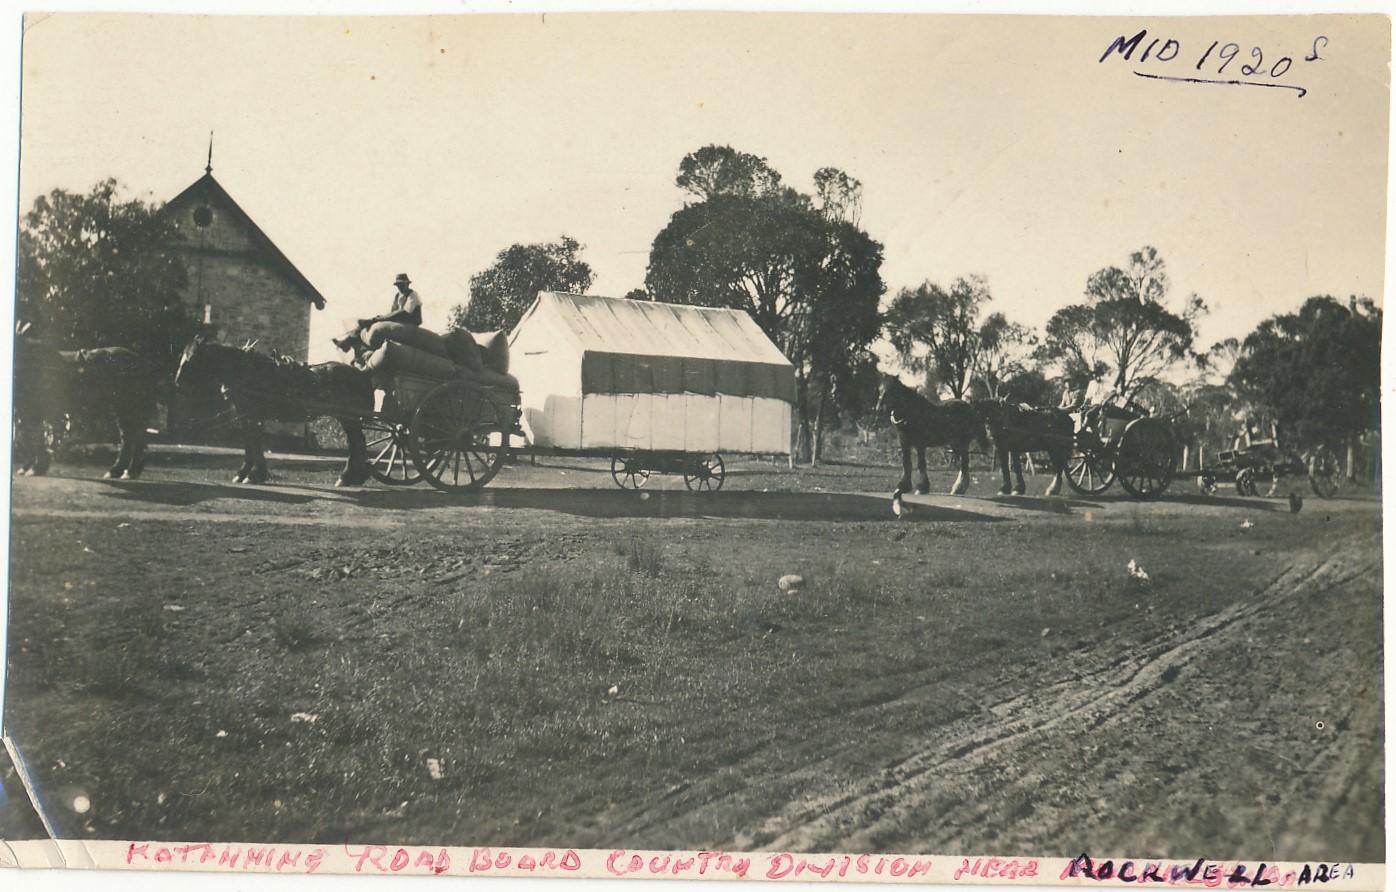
(241, 287)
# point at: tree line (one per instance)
(810, 275)
(97, 269)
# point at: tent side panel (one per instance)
(610, 372)
(548, 367)
(598, 421)
(634, 428)
(770, 427)
(784, 387)
(735, 423)
(670, 421)
(702, 421)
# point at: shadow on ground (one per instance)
(183, 494)
(1255, 504)
(1049, 504)
(668, 504)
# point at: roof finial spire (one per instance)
(209, 167)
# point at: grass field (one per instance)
(548, 668)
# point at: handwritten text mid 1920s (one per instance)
(1166, 58)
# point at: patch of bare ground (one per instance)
(549, 667)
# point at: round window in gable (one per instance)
(202, 217)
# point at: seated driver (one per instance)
(406, 308)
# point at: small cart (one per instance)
(1267, 461)
(1122, 442)
(453, 433)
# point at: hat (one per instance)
(402, 279)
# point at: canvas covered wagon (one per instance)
(656, 386)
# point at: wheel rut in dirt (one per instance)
(1024, 732)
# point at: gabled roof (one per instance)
(208, 184)
(649, 328)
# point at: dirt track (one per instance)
(1243, 721)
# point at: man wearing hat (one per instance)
(407, 308)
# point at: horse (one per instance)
(921, 423)
(265, 388)
(52, 385)
(1017, 429)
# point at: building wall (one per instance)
(242, 296)
(247, 301)
(247, 298)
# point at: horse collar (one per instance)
(893, 416)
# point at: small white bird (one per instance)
(1246, 524)
(1137, 572)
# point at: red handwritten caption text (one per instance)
(1203, 873)
(377, 859)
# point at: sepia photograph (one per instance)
(878, 447)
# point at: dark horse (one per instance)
(1017, 429)
(921, 423)
(267, 388)
(52, 384)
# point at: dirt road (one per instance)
(589, 667)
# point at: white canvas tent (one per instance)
(609, 373)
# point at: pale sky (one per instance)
(991, 145)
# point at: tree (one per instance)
(840, 195)
(1123, 330)
(938, 330)
(809, 278)
(1005, 350)
(500, 294)
(1029, 385)
(1215, 366)
(842, 320)
(722, 170)
(98, 270)
(1317, 371)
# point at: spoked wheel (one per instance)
(1089, 474)
(705, 474)
(1245, 482)
(628, 472)
(389, 455)
(1147, 458)
(1325, 473)
(459, 436)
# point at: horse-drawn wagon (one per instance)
(445, 407)
(1254, 459)
(452, 433)
(429, 416)
(654, 387)
(1120, 440)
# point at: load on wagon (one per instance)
(445, 406)
(655, 386)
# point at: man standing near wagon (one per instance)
(406, 309)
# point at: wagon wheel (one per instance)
(389, 455)
(1325, 473)
(1147, 458)
(705, 474)
(628, 472)
(1089, 473)
(1245, 482)
(459, 437)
